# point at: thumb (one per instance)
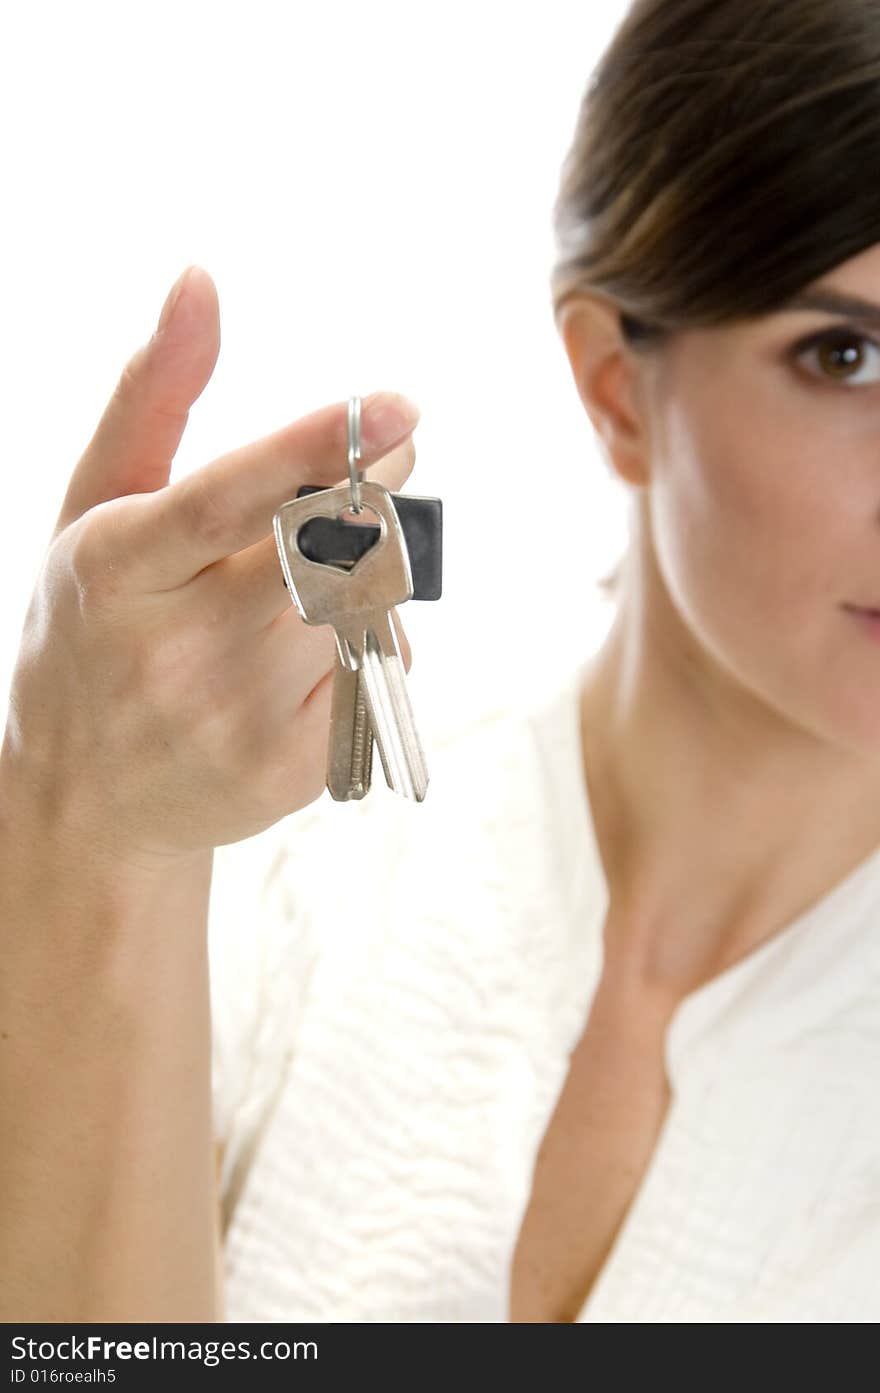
(137, 437)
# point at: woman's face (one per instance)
(764, 503)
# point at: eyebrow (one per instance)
(835, 302)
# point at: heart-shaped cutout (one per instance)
(336, 542)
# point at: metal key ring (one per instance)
(356, 477)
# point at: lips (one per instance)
(863, 609)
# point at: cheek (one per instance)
(750, 539)
(764, 521)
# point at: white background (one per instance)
(371, 188)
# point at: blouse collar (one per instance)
(806, 969)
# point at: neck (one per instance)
(718, 823)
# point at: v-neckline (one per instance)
(703, 1005)
(590, 882)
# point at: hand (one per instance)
(167, 697)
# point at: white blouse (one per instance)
(396, 989)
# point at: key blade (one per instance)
(394, 727)
(350, 751)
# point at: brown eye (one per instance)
(841, 355)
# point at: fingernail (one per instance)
(172, 300)
(388, 416)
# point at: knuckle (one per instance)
(206, 514)
(92, 565)
(404, 453)
(130, 379)
(133, 387)
(84, 558)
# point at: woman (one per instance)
(640, 1083)
(591, 1035)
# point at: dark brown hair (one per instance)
(726, 154)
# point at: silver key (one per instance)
(359, 604)
(374, 640)
(350, 753)
(350, 749)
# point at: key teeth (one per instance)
(400, 750)
(350, 749)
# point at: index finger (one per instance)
(229, 504)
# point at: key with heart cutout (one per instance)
(338, 543)
(359, 604)
(335, 542)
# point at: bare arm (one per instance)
(167, 699)
(107, 1168)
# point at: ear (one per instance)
(608, 376)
